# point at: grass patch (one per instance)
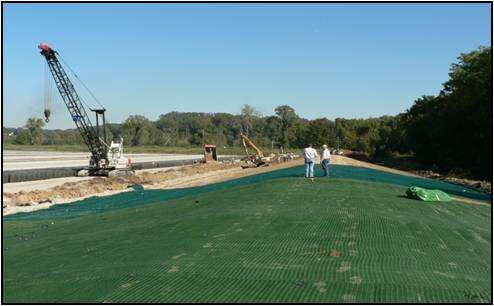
(280, 241)
(59, 148)
(129, 149)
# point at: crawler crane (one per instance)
(105, 160)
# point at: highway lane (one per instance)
(22, 160)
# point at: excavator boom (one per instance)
(247, 141)
(253, 160)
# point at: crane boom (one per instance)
(105, 160)
(73, 102)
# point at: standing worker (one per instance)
(325, 158)
(310, 158)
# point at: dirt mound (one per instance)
(105, 185)
(483, 186)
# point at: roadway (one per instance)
(22, 160)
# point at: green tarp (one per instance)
(429, 195)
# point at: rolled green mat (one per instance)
(429, 195)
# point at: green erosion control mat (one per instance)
(139, 198)
(286, 240)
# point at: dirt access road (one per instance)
(30, 196)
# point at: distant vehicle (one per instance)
(337, 152)
(253, 160)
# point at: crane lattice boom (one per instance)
(73, 102)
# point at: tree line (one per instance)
(450, 131)
(285, 130)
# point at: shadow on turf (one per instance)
(405, 197)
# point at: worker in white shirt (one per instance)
(325, 158)
(310, 158)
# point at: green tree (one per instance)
(136, 130)
(248, 114)
(23, 137)
(8, 135)
(391, 136)
(287, 118)
(345, 134)
(168, 126)
(445, 131)
(469, 108)
(318, 132)
(34, 127)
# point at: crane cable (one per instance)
(90, 92)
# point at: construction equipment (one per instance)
(210, 153)
(253, 160)
(106, 160)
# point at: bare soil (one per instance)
(68, 190)
(417, 169)
(483, 186)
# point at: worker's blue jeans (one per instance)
(325, 166)
(309, 168)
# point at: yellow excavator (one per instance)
(253, 160)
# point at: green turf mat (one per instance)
(143, 197)
(285, 241)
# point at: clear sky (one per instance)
(325, 60)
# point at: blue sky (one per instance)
(325, 60)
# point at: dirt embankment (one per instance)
(178, 177)
(71, 191)
(483, 186)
